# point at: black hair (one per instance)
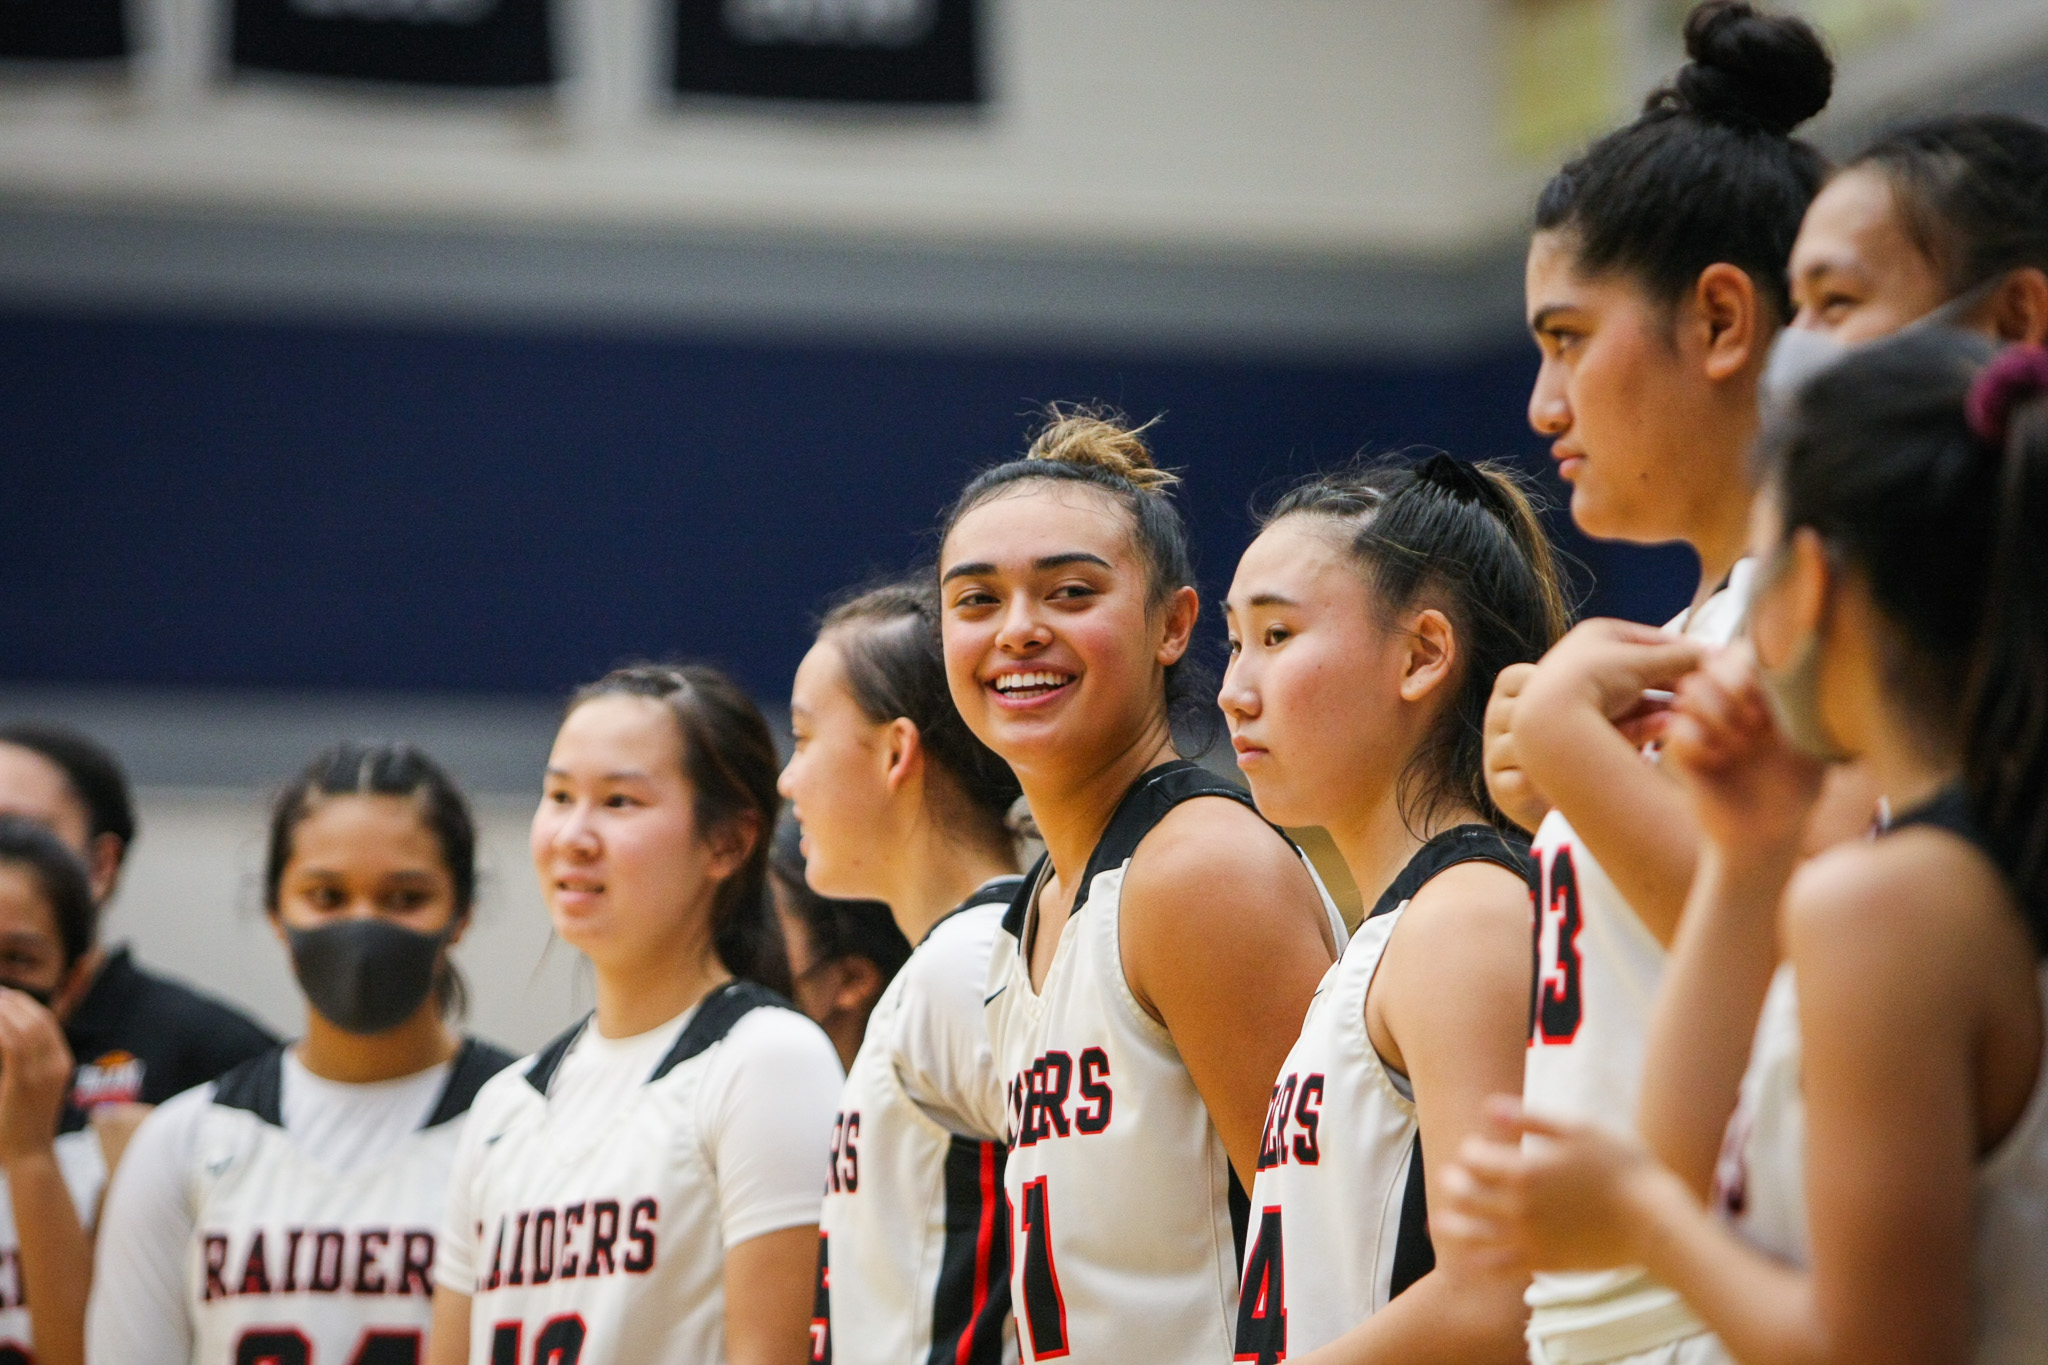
(59, 874)
(1097, 447)
(355, 769)
(1972, 190)
(1708, 172)
(839, 929)
(92, 771)
(888, 639)
(730, 760)
(1468, 540)
(1877, 456)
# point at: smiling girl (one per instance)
(1148, 980)
(646, 1186)
(288, 1211)
(1367, 624)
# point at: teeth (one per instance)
(1018, 682)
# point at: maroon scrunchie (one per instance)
(2019, 374)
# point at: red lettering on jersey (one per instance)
(1092, 1116)
(640, 1231)
(842, 1175)
(604, 1233)
(543, 1246)
(255, 1270)
(370, 1244)
(292, 1237)
(1308, 1115)
(216, 1267)
(328, 1246)
(495, 1278)
(518, 1275)
(416, 1264)
(572, 1218)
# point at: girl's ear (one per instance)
(1807, 579)
(1726, 305)
(1183, 609)
(1432, 655)
(903, 752)
(731, 842)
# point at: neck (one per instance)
(937, 869)
(1899, 761)
(1376, 843)
(1072, 810)
(652, 985)
(334, 1054)
(1720, 542)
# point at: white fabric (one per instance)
(1762, 1187)
(1590, 1067)
(220, 1225)
(921, 1099)
(1333, 1165)
(1112, 1156)
(84, 1168)
(605, 1208)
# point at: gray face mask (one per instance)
(366, 975)
(1793, 689)
(1798, 354)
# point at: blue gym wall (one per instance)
(287, 505)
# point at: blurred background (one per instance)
(384, 368)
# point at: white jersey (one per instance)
(84, 1168)
(1597, 973)
(1340, 1159)
(1760, 1185)
(913, 1243)
(1129, 1220)
(600, 1183)
(235, 1235)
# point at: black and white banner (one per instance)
(63, 30)
(867, 51)
(421, 42)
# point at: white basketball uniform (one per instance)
(591, 1207)
(230, 1242)
(1129, 1220)
(1597, 971)
(913, 1242)
(84, 1168)
(1760, 1184)
(1340, 1160)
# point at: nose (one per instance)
(1238, 695)
(1021, 631)
(1549, 411)
(782, 782)
(573, 834)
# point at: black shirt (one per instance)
(141, 1038)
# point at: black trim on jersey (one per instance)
(1948, 809)
(994, 891)
(1240, 1218)
(974, 1207)
(714, 1018)
(257, 1085)
(548, 1060)
(1414, 1253)
(1461, 844)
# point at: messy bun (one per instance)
(1708, 172)
(1749, 70)
(1097, 447)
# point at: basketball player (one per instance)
(899, 802)
(842, 953)
(1656, 282)
(1888, 1165)
(1148, 980)
(287, 1212)
(52, 1182)
(1367, 623)
(646, 1186)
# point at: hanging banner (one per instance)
(63, 30)
(419, 42)
(865, 51)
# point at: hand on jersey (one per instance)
(35, 1071)
(1572, 1198)
(1605, 666)
(1518, 798)
(1752, 791)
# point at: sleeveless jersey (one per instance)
(1340, 1160)
(1597, 970)
(84, 1168)
(1760, 1184)
(913, 1242)
(296, 1263)
(610, 1250)
(1129, 1220)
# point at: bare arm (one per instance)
(56, 1254)
(1453, 995)
(1224, 939)
(448, 1343)
(770, 1284)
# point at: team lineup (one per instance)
(1697, 1010)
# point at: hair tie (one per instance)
(2019, 374)
(1456, 477)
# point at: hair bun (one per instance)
(2019, 375)
(1102, 438)
(1750, 70)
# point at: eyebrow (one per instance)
(1271, 599)
(1542, 317)
(1059, 561)
(623, 774)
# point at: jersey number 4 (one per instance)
(288, 1346)
(1554, 1000)
(1045, 1309)
(1262, 1306)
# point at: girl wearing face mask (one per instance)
(1367, 623)
(645, 1188)
(1147, 982)
(288, 1211)
(1881, 1187)
(52, 1183)
(898, 801)
(1655, 286)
